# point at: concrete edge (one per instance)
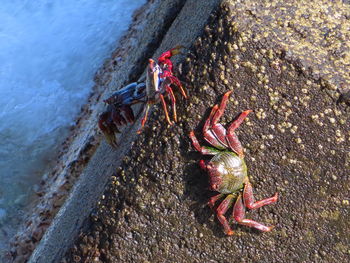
(87, 191)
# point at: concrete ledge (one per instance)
(296, 143)
(87, 191)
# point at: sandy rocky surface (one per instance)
(289, 63)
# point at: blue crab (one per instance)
(159, 81)
(120, 102)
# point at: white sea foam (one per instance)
(49, 52)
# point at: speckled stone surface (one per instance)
(314, 33)
(286, 62)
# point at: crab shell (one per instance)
(227, 172)
(153, 81)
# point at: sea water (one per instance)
(49, 52)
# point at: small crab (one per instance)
(119, 102)
(159, 79)
(227, 169)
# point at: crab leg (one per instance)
(232, 138)
(221, 109)
(238, 121)
(220, 212)
(173, 101)
(209, 136)
(202, 149)
(144, 119)
(218, 130)
(165, 109)
(117, 118)
(213, 200)
(107, 126)
(239, 214)
(129, 114)
(178, 84)
(249, 198)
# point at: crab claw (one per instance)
(176, 50)
(171, 52)
(117, 117)
(108, 128)
(164, 59)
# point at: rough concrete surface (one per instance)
(288, 62)
(297, 143)
(105, 160)
(123, 66)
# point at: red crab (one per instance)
(159, 80)
(227, 169)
